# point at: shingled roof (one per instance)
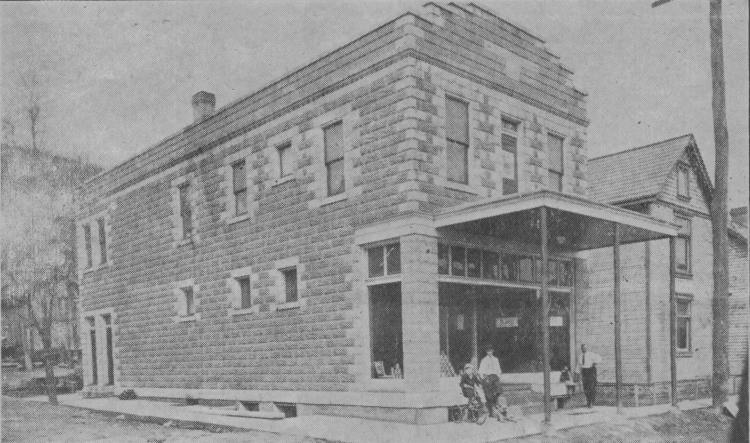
(641, 172)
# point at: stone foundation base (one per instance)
(420, 416)
(642, 394)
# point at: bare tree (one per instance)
(38, 238)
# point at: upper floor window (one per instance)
(683, 244)
(245, 296)
(102, 240)
(239, 187)
(186, 210)
(285, 160)
(683, 181)
(555, 160)
(290, 284)
(509, 144)
(457, 137)
(188, 301)
(333, 139)
(89, 247)
(384, 260)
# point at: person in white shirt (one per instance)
(489, 370)
(587, 362)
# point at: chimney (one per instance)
(203, 105)
(739, 216)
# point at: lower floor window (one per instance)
(474, 318)
(684, 309)
(386, 332)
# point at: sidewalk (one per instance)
(360, 430)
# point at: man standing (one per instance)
(489, 370)
(587, 362)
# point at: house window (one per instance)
(517, 268)
(102, 241)
(555, 160)
(443, 259)
(509, 144)
(473, 263)
(386, 331)
(186, 211)
(87, 240)
(684, 312)
(243, 284)
(290, 284)
(239, 187)
(683, 181)
(457, 135)
(285, 160)
(490, 265)
(333, 138)
(188, 298)
(682, 245)
(458, 261)
(384, 260)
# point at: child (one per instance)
(471, 388)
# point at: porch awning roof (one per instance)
(574, 222)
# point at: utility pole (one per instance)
(720, 304)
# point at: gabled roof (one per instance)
(641, 172)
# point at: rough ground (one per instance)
(700, 425)
(35, 422)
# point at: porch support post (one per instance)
(672, 323)
(618, 318)
(545, 316)
(420, 313)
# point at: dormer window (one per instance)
(683, 181)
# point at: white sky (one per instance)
(120, 75)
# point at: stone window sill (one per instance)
(96, 268)
(685, 198)
(683, 274)
(244, 311)
(460, 187)
(282, 180)
(290, 305)
(333, 199)
(238, 218)
(684, 354)
(187, 318)
(185, 241)
(383, 279)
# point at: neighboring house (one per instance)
(739, 297)
(345, 239)
(27, 173)
(666, 180)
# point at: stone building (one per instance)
(345, 239)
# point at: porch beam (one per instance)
(544, 234)
(618, 317)
(672, 323)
